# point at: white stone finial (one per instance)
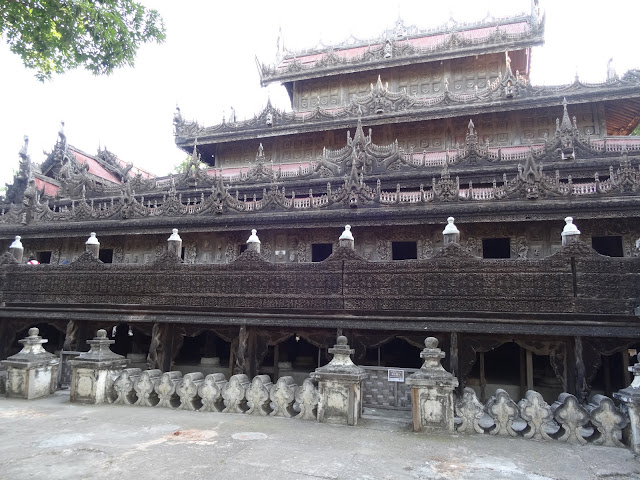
(92, 240)
(346, 235)
(253, 238)
(16, 243)
(570, 228)
(174, 236)
(450, 228)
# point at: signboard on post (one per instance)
(395, 375)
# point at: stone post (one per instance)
(32, 372)
(16, 249)
(340, 386)
(92, 245)
(570, 233)
(253, 243)
(451, 233)
(95, 371)
(432, 392)
(630, 401)
(346, 239)
(175, 243)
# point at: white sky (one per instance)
(207, 65)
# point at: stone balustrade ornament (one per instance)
(470, 410)
(94, 372)
(124, 386)
(572, 417)
(537, 413)
(346, 239)
(570, 233)
(340, 386)
(234, 394)
(174, 243)
(187, 390)
(253, 242)
(210, 392)
(630, 399)
(307, 398)
(503, 411)
(258, 398)
(283, 396)
(32, 372)
(16, 249)
(451, 234)
(167, 389)
(145, 388)
(92, 245)
(608, 421)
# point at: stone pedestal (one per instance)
(630, 401)
(340, 386)
(95, 371)
(432, 392)
(32, 372)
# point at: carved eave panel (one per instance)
(384, 64)
(447, 107)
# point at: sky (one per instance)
(207, 64)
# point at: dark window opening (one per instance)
(242, 248)
(404, 250)
(44, 257)
(610, 246)
(182, 253)
(321, 251)
(496, 248)
(106, 255)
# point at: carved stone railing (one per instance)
(599, 422)
(213, 393)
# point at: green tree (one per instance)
(636, 131)
(53, 36)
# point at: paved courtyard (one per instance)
(53, 439)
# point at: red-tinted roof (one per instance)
(49, 189)
(95, 168)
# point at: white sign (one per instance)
(395, 375)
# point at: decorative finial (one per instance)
(253, 238)
(346, 234)
(34, 332)
(16, 242)
(450, 228)
(174, 235)
(92, 240)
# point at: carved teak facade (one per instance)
(391, 136)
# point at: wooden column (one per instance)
(252, 366)
(276, 360)
(626, 374)
(570, 366)
(581, 381)
(483, 380)
(453, 354)
(606, 371)
(523, 371)
(167, 348)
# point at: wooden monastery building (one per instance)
(391, 136)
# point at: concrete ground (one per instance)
(53, 439)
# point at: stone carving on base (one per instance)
(167, 390)
(307, 399)
(145, 388)
(470, 411)
(32, 372)
(124, 386)
(258, 395)
(283, 396)
(432, 392)
(607, 420)
(571, 416)
(188, 391)
(210, 392)
(503, 411)
(630, 400)
(340, 386)
(537, 413)
(234, 394)
(95, 371)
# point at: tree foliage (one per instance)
(53, 36)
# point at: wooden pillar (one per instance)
(276, 360)
(453, 354)
(606, 371)
(523, 372)
(570, 365)
(6, 339)
(483, 380)
(252, 367)
(167, 348)
(626, 374)
(581, 381)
